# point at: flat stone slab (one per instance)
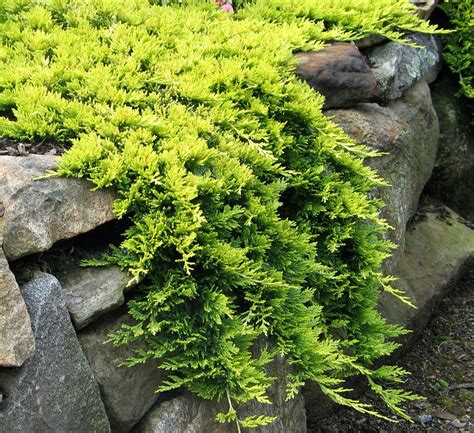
(37, 213)
(436, 249)
(17, 342)
(54, 390)
(90, 292)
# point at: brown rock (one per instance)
(370, 41)
(38, 213)
(340, 73)
(17, 342)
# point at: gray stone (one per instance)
(54, 390)
(90, 292)
(16, 337)
(37, 213)
(127, 392)
(340, 73)
(453, 176)
(425, 7)
(190, 414)
(398, 66)
(407, 130)
(436, 249)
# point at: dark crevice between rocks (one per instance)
(13, 147)
(428, 203)
(72, 251)
(452, 181)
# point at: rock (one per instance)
(54, 390)
(398, 66)
(17, 342)
(408, 131)
(370, 41)
(340, 73)
(127, 392)
(453, 176)
(90, 292)
(458, 424)
(425, 7)
(436, 249)
(425, 419)
(37, 213)
(190, 414)
(442, 414)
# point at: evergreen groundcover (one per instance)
(459, 44)
(252, 214)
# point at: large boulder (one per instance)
(90, 292)
(54, 390)
(16, 336)
(127, 392)
(340, 73)
(398, 66)
(437, 248)
(407, 130)
(190, 414)
(453, 177)
(36, 213)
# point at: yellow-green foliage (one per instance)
(250, 210)
(459, 45)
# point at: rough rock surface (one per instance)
(453, 176)
(340, 73)
(127, 392)
(425, 7)
(408, 130)
(90, 292)
(54, 390)
(37, 213)
(398, 66)
(436, 249)
(370, 41)
(16, 337)
(190, 414)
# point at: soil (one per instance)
(442, 367)
(20, 148)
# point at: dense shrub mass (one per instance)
(459, 45)
(250, 209)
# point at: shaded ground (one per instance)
(442, 367)
(19, 148)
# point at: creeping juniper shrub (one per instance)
(250, 209)
(459, 44)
